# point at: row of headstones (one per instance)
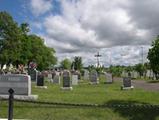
(94, 77)
(55, 77)
(22, 83)
(135, 74)
(73, 78)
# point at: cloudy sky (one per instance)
(120, 30)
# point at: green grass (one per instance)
(153, 81)
(87, 94)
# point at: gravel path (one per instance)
(143, 84)
(147, 86)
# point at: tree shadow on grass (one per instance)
(134, 110)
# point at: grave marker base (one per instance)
(127, 88)
(42, 87)
(94, 83)
(66, 88)
(21, 97)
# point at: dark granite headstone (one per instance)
(127, 82)
(33, 74)
(40, 80)
(66, 79)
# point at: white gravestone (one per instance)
(109, 78)
(149, 74)
(134, 74)
(56, 78)
(21, 84)
(124, 74)
(74, 79)
(86, 75)
(93, 77)
(49, 77)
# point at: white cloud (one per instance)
(85, 27)
(39, 7)
(72, 35)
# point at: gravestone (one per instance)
(124, 74)
(66, 81)
(21, 84)
(109, 78)
(93, 77)
(53, 74)
(49, 77)
(134, 74)
(78, 74)
(40, 81)
(127, 83)
(33, 74)
(149, 74)
(56, 79)
(74, 79)
(86, 75)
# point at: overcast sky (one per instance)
(121, 30)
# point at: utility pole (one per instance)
(142, 55)
(110, 59)
(97, 56)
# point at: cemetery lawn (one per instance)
(84, 93)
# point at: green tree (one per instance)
(18, 47)
(153, 56)
(66, 64)
(42, 55)
(116, 70)
(24, 28)
(91, 67)
(77, 63)
(10, 37)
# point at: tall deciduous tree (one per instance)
(42, 55)
(18, 47)
(153, 56)
(10, 36)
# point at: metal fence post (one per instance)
(10, 108)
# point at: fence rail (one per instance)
(113, 105)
